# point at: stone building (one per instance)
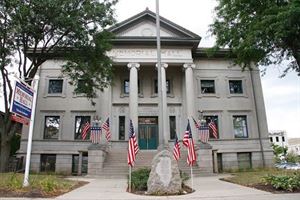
(197, 86)
(278, 137)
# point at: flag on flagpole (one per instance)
(196, 124)
(185, 140)
(95, 134)
(191, 150)
(213, 127)
(133, 147)
(105, 127)
(204, 133)
(85, 129)
(176, 149)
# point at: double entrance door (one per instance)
(148, 132)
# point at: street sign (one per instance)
(22, 100)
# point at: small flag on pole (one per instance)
(85, 130)
(133, 147)
(105, 127)
(196, 124)
(176, 149)
(213, 127)
(95, 134)
(191, 149)
(185, 140)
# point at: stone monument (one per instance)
(165, 176)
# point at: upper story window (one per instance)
(51, 129)
(172, 120)
(283, 139)
(126, 87)
(235, 87)
(80, 122)
(55, 86)
(277, 139)
(271, 139)
(168, 86)
(240, 126)
(208, 86)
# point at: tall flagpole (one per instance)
(162, 103)
(129, 178)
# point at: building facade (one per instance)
(278, 138)
(197, 86)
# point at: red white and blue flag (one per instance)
(133, 147)
(95, 134)
(176, 149)
(213, 127)
(85, 130)
(204, 133)
(105, 127)
(191, 159)
(185, 140)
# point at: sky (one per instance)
(281, 95)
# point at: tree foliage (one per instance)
(259, 31)
(32, 31)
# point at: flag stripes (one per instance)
(176, 149)
(204, 133)
(95, 134)
(212, 125)
(106, 127)
(133, 147)
(85, 130)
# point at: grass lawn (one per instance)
(40, 185)
(254, 178)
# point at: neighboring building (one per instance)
(278, 138)
(294, 145)
(195, 82)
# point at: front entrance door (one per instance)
(148, 132)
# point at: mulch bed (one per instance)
(35, 193)
(263, 187)
(185, 188)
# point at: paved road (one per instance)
(207, 188)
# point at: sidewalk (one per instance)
(207, 188)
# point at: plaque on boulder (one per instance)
(165, 176)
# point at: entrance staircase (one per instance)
(115, 164)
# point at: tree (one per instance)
(71, 29)
(262, 31)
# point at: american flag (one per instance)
(196, 124)
(105, 126)
(85, 129)
(133, 147)
(212, 125)
(95, 134)
(204, 133)
(176, 149)
(185, 140)
(191, 150)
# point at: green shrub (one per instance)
(284, 182)
(139, 179)
(292, 158)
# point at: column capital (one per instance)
(131, 65)
(189, 65)
(164, 65)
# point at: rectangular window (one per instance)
(55, 86)
(80, 122)
(208, 119)
(283, 139)
(75, 162)
(235, 87)
(121, 127)
(271, 139)
(51, 129)
(48, 162)
(172, 127)
(277, 139)
(244, 160)
(220, 162)
(208, 87)
(126, 87)
(168, 85)
(240, 126)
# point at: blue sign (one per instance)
(22, 101)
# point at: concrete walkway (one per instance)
(207, 188)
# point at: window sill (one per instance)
(55, 95)
(209, 95)
(127, 95)
(242, 95)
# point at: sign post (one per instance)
(29, 143)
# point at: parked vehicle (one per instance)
(286, 165)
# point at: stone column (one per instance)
(164, 129)
(190, 97)
(133, 93)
